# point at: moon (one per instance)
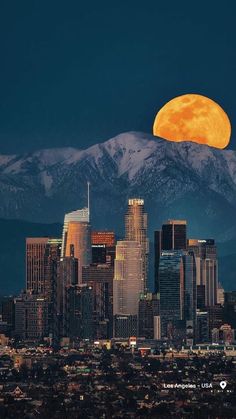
(194, 118)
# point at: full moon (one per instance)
(194, 118)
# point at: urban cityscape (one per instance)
(92, 330)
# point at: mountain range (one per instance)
(177, 180)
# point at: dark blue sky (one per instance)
(74, 73)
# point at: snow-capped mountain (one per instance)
(178, 180)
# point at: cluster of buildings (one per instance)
(88, 285)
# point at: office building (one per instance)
(78, 236)
(171, 280)
(172, 236)
(8, 311)
(220, 294)
(190, 288)
(31, 317)
(100, 279)
(68, 276)
(79, 312)
(229, 310)
(202, 326)
(215, 317)
(207, 267)
(149, 307)
(178, 299)
(42, 258)
(103, 237)
(136, 230)
(128, 281)
(125, 325)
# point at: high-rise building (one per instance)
(125, 325)
(178, 299)
(42, 257)
(128, 281)
(190, 288)
(76, 237)
(157, 254)
(171, 282)
(136, 230)
(100, 279)
(31, 316)
(42, 266)
(207, 267)
(202, 327)
(220, 294)
(79, 236)
(79, 312)
(172, 236)
(81, 215)
(103, 237)
(68, 276)
(99, 254)
(149, 308)
(103, 247)
(8, 311)
(230, 308)
(215, 317)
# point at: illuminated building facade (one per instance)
(79, 236)
(103, 247)
(128, 281)
(103, 237)
(136, 230)
(207, 267)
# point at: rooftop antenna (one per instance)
(88, 184)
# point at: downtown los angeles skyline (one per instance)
(77, 76)
(120, 302)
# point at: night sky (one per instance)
(74, 73)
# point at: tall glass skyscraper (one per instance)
(171, 282)
(136, 230)
(128, 281)
(172, 236)
(207, 267)
(76, 237)
(178, 299)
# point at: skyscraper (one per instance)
(103, 247)
(76, 237)
(128, 281)
(149, 308)
(79, 313)
(178, 299)
(31, 316)
(103, 237)
(68, 275)
(136, 230)
(79, 236)
(207, 267)
(100, 279)
(42, 257)
(172, 236)
(42, 268)
(171, 282)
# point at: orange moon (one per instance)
(194, 118)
